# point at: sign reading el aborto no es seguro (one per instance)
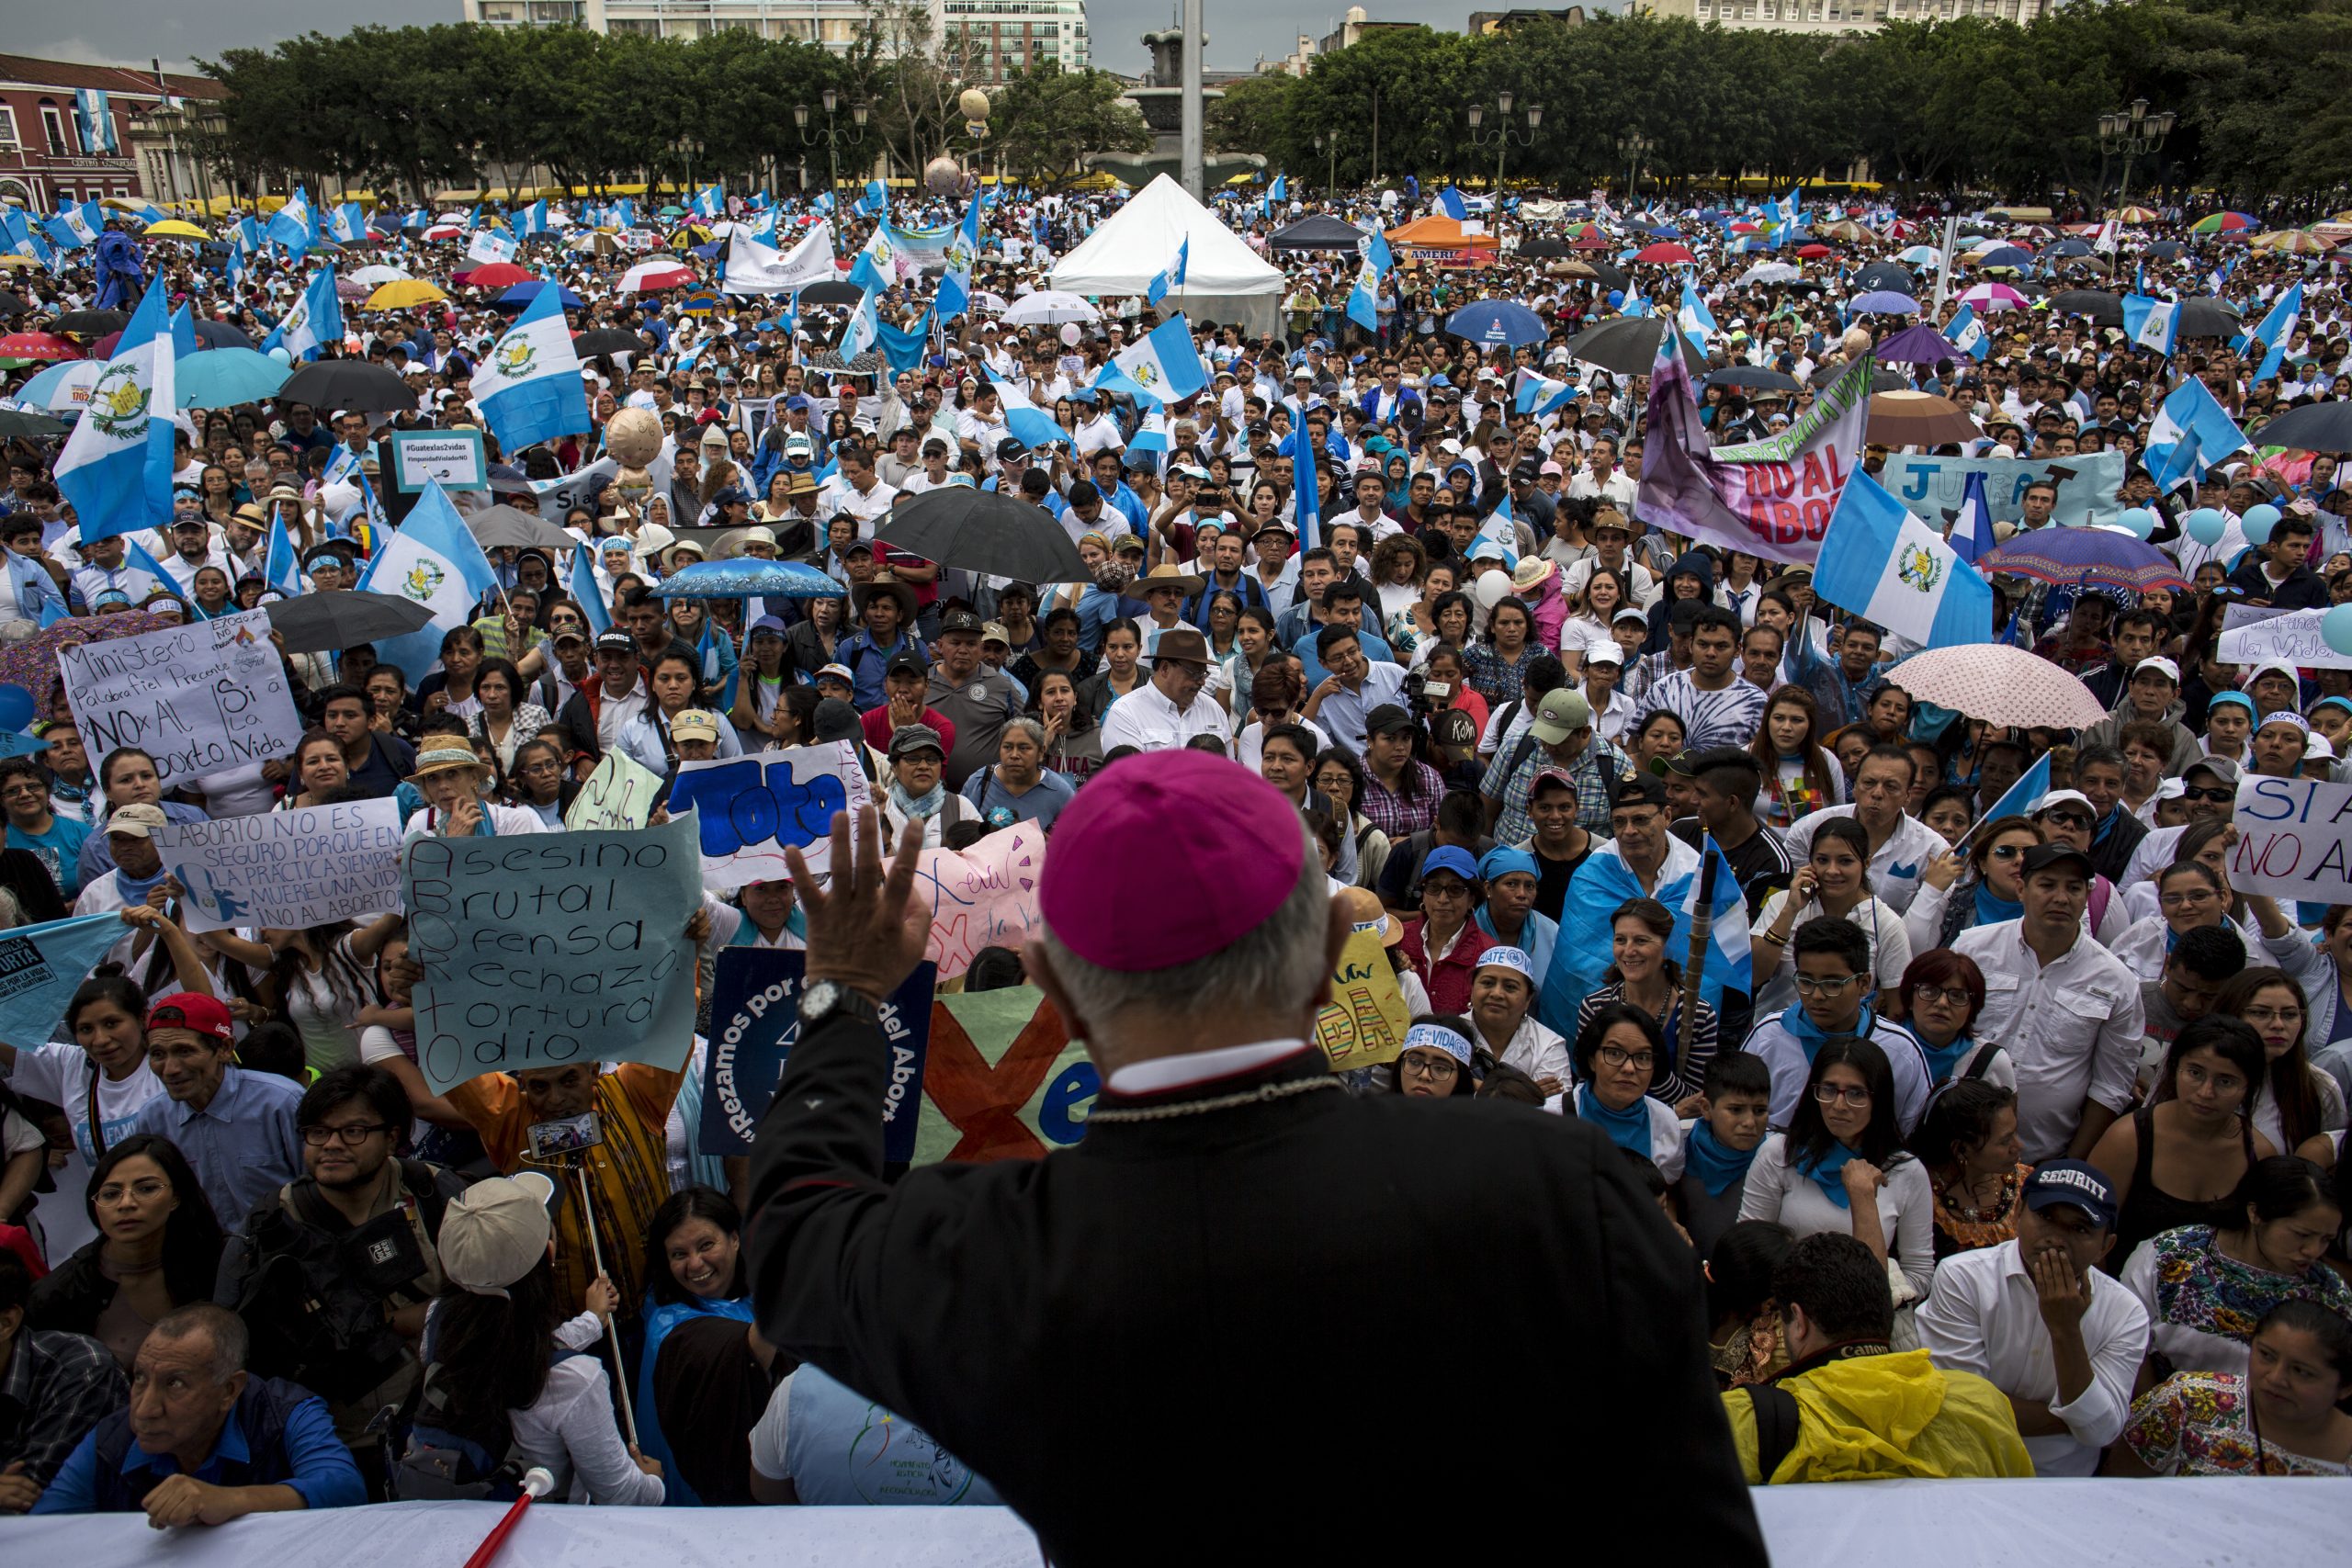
(200, 698)
(2294, 840)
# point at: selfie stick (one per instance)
(537, 1483)
(612, 1336)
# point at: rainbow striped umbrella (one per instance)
(2222, 223)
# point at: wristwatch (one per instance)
(826, 999)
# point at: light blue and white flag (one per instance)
(94, 118)
(491, 244)
(532, 221)
(963, 252)
(117, 465)
(709, 202)
(1696, 322)
(754, 267)
(1030, 426)
(1967, 334)
(1450, 202)
(1164, 361)
(1306, 491)
(75, 227)
(1972, 529)
(279, 567)
(2151, 324)
(2020, 798)
(865, 329)
(1883, 563)
(2277, 327)
(1169, 277)
(47, 963)
(529, 385)
(591, 597)
(346, 223)
(1540, 395)
(877, 267)
(2189, 408)
(431, 560)
(293, 225)
(1364, 299)
(1728, 959)
(315, 321)
(1280, 189)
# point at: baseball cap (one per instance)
(994, 632)
(1452, 858)
(694, 724)
(2225, 769)
(2162, 665)
(907, 663)
(909, 737)
(837, 671)
(1386, 719)
(1559, 714)
(616, 642)
(139, 821)
(959, 621)
(2058, 797)
(1631, 613)
(568, 633)
(2041, 857)
(184, 1009)
(2074, 1181)
(495, 1232)
(1008, 449)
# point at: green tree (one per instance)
(1046, 120)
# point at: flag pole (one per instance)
(1702, 921)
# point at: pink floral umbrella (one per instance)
(2001, 684)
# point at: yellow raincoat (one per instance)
(1886, 1417)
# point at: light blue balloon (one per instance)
(2257, 523)
(2140, 519)
(2337, 627)
(2206, 525)
(281, 356)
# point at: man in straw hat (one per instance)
(1228, 1195)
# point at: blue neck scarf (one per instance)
(1811, 1037)
(136, 889)
(1717, 1165)
(1628, 1129)
(1991, 908)
(1942, 1059)
(927, 805)
(1826, 1174)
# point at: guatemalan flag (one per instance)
(591, 597)
(1165, 363)
(94, 120)
(876, 268)
(278, 566)
(1698, 322)
(2277, 327)
(533, 220)
(1582, 955)
(293, 225)
(491, 244)
(346, 223)
(2190, 433)
(316, 321)
(1966, 333)
(432, 559)
(865, 329)
(2151, 324)
(1031, 425)
(1451, 202)
(1364, 299)
(117, 465)
(1540, 395)
(529, 385)
(1971, 527)
(75, 227)
(1169, 277)
(1882, 563)
(1307, 516)
(709, 203)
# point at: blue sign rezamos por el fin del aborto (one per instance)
(755, 1018)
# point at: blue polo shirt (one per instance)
(244, 1145)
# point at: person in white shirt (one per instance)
(2038, 1320)
(1903, 847)
(2068, 1011)
(859, 491)
(1172, 709)
(102, 570)
(933, 473)
(1502, 990)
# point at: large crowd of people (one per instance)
(2020, 1150)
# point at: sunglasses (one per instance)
(2210, 793)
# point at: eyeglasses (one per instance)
(1814, 985)
(2210, 793)
(1618, 1057)
(350, 1135)
(1423, 1064)
(1831, 1093)
(1955, 995)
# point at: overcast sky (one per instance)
(127, 32)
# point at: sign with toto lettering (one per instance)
(749, 810)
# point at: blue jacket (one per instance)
(276, 1434)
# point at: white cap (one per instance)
(2171, 671)
(2057, 797)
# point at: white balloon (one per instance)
(1492, 588)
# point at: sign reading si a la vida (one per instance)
(2294, 840)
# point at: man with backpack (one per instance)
(333, 1275)
(1560, 737)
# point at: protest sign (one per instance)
(200, 698)
(1771, 498)
(310, 866)
(455, 459)
(2293, 636)
(983, 896)
(618, 795)
(755, 1022)
(2294, 840)
(41, 965)
(749, 810)
(1363, 1024)
(1003, 1080)
(549, 948)
(1929, 488)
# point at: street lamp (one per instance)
(689, 148)
(832, 136)
(1333, 183)
(1634, 147)
(2132, 132)
(1502, 137)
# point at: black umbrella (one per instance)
(2315, 428)
(91, 323)
(1324, 232)
(983, 530)
(13, 303)
(2096, 305)
(2164, 249)
(606, 340)
(316, 623)
(13, 424)
(508, 528)
(1606, 275)
(220, 334)
(1629, 346)
(1753, 378)
(835, 293)
(2066, 247)
(1884, 275)
(1890, 381)
(1540, 249)
(347, 384)
(2206, 318)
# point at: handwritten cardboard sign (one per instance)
(293, 869)
(983, 896)
(549, 948)
(200, 698)
(749, 810)
(618, 795)
(2293, 636)
(1363, 1024)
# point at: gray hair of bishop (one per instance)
(1275, 968)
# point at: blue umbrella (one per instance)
(521, 294)
(2005, 255)
(2067, 247)
(55, 388)
(1665, 232)
(744, 577)
(1883, 302)
(1497, 321)
(221, 376)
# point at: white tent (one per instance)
(1224, 280)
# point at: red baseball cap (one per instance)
(185, 1009)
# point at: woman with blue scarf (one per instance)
(1617, 1053)
(1946, 906)
(705, 1375)
(1840, 1168)
(1942, 993)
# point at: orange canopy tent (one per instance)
(1434, 232)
